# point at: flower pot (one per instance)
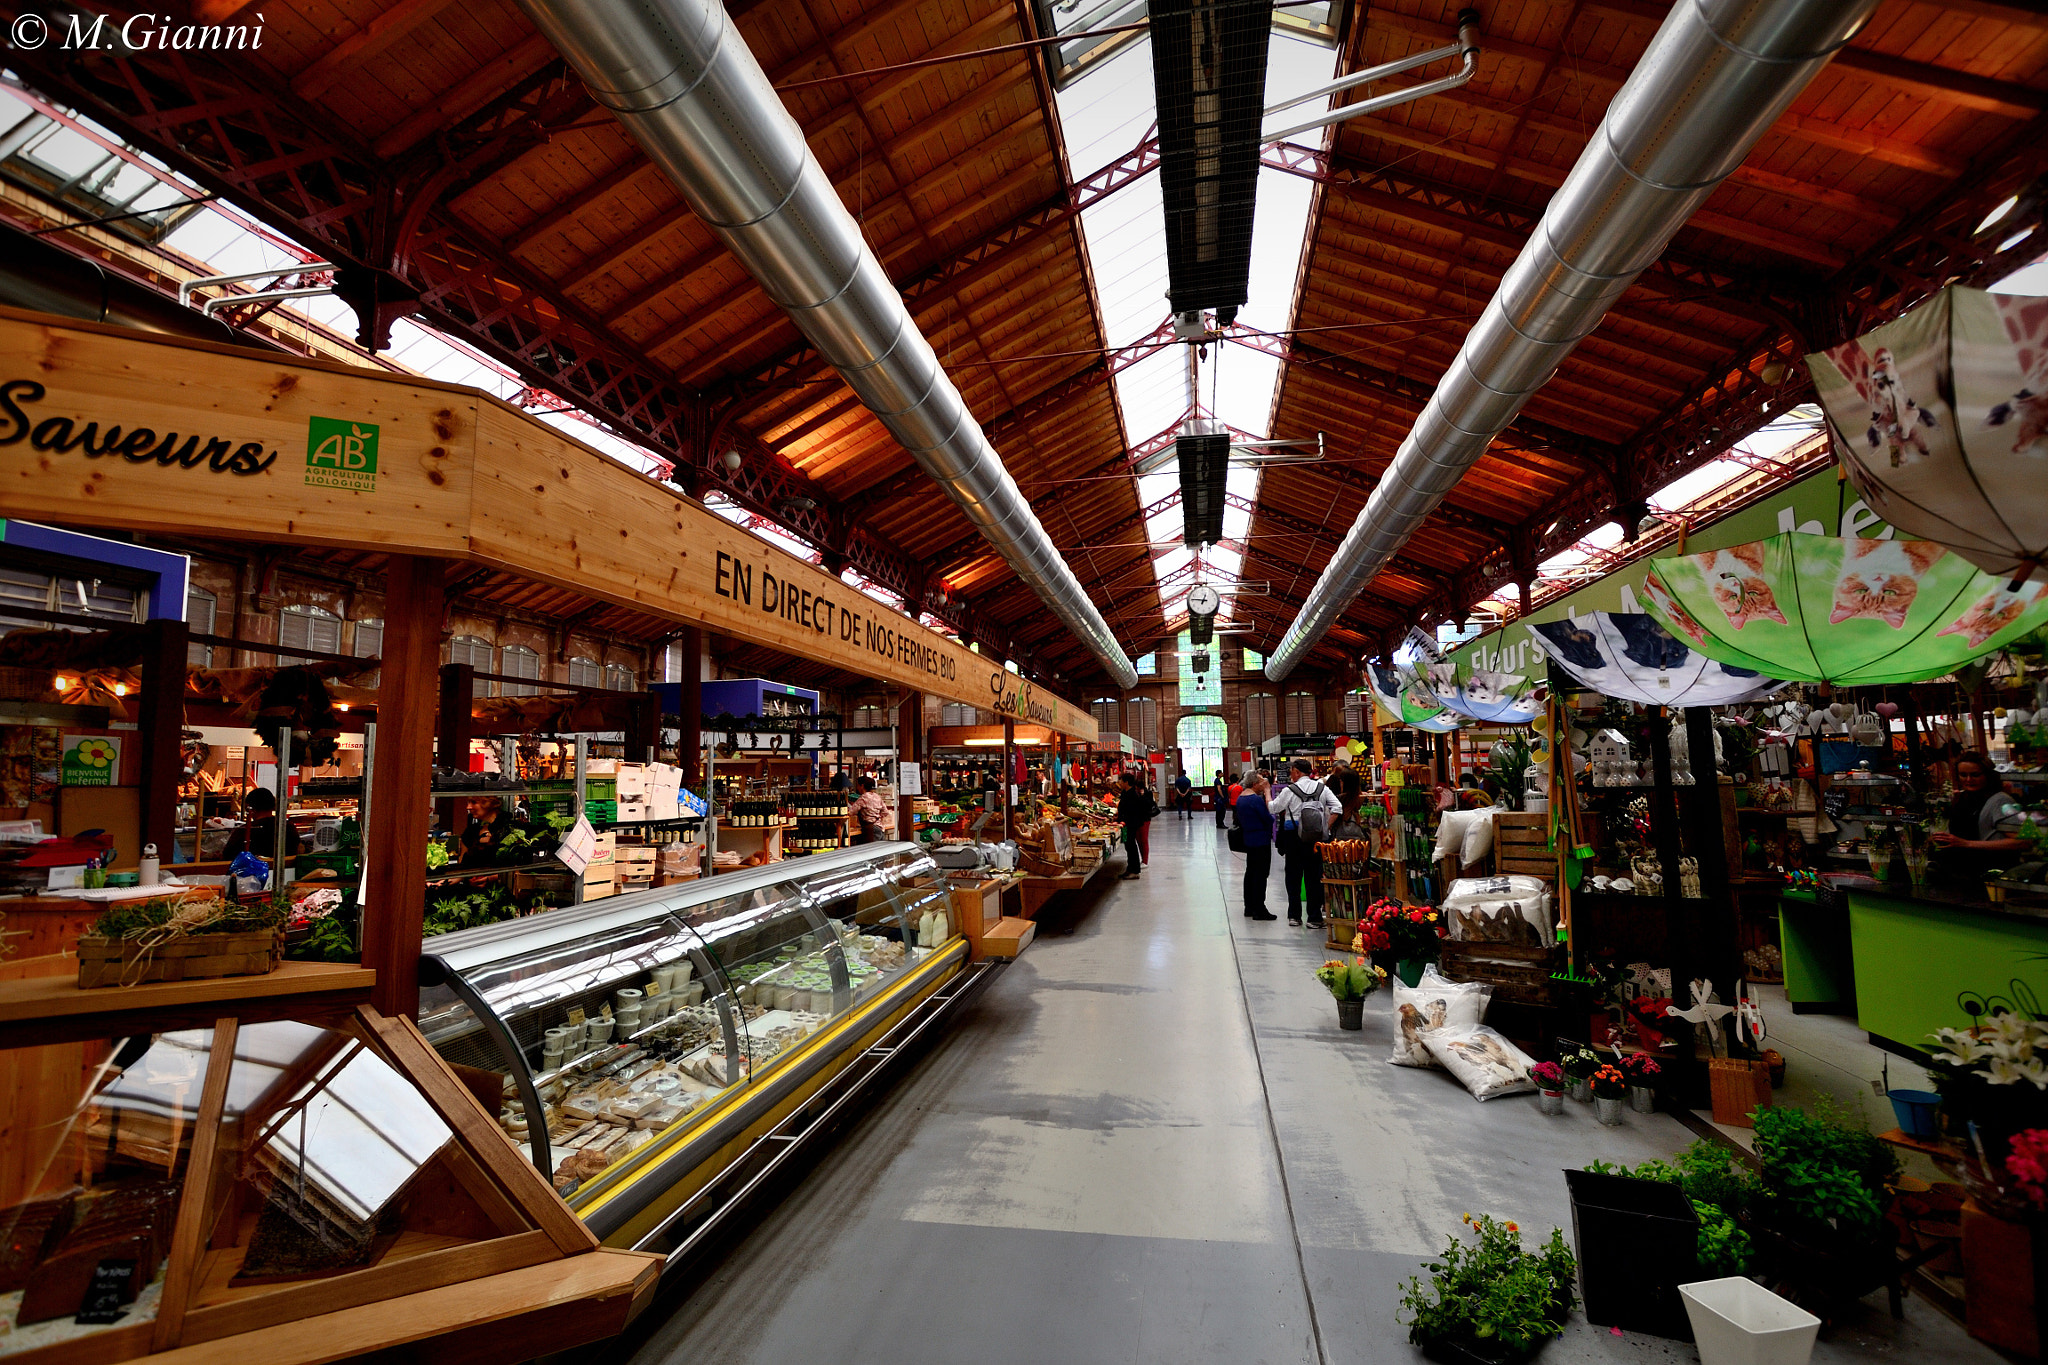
(1608, 1111)
(1465, 1350)
(1550, 1101)
(1739, 1087)
(1918, 1112)
(1582, 1090)
(1351, 1013)
(1643, 1098)
(1637, 1242)
(1409, 969)
(1737, 1321)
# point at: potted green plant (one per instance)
(1349, 983)
(1489, 1301)
(1610, 1088)
(1818, 1213)
(1550, 1081)
(1579, 1063)
(1721, 1189)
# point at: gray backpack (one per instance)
(1313, 821)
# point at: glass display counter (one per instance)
(627, 1042)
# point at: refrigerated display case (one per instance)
(638, 1045)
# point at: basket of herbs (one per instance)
(167, 939)
(1491, 1302)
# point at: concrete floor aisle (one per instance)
(1148, 1141)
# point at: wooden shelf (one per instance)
(50, 1009)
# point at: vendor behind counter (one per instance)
(1983, 823)
(258, 833)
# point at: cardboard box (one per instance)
(634, 810)
(632, 779)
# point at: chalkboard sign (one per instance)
(112, 1286)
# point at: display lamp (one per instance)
(1824, 609)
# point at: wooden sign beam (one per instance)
(105, 426)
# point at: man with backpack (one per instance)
(1303, 811)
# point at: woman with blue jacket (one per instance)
(1256, 822)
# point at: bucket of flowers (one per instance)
(1642, 1072)
(1610, 1088)
(1414, 935)
(1492, 1303)
(1993, 1080)
(1349, 983)
(1550, 1084)
(1579, 1063)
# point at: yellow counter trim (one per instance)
(863, 1021)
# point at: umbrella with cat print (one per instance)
(1629, 656)
(1406, 700)
(1826, 609)
(1940, 419)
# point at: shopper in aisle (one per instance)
(868, 812)
(489, 824)
(1255, 819)
(1184, 796)
(1304, 809)
(258, 833)
(839, 779)
(1345, 782)
(1221, 797)
(1134, 808)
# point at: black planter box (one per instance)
(1467, 1351)
(1638, 1241)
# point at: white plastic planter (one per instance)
(1737, 1321)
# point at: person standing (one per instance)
(1134, 807)
(1221, 797)
(1344, 781)
(868, 812)
(1255, 819)
(1304, 809)
(1184, 796)
(1982, 820)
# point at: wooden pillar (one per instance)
(395, 882)
(910, 745)
(690, 708)
(160, 721)
(453, 724)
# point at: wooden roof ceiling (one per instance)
(1901, 143)
(444, 148)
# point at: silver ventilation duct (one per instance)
(1717, 75)
(680, 78)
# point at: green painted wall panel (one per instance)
(1912, 961)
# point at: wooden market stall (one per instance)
(102, 427)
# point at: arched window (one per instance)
(308, 628)
(519, 662)
(620, 678)
(585, 673)
(468, 649)
(1144, 714)
(1108, 713)
(1261, 718)
(199, 606)
(958, 713)
(370, 645)
(1357, 718)
(868, 714)
(1201, 738)
(1301, 713)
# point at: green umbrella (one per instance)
(1822, 609)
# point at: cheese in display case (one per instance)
(630, 1045)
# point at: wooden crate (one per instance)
(114, 962)
(1521, 846)
(1516, 973)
